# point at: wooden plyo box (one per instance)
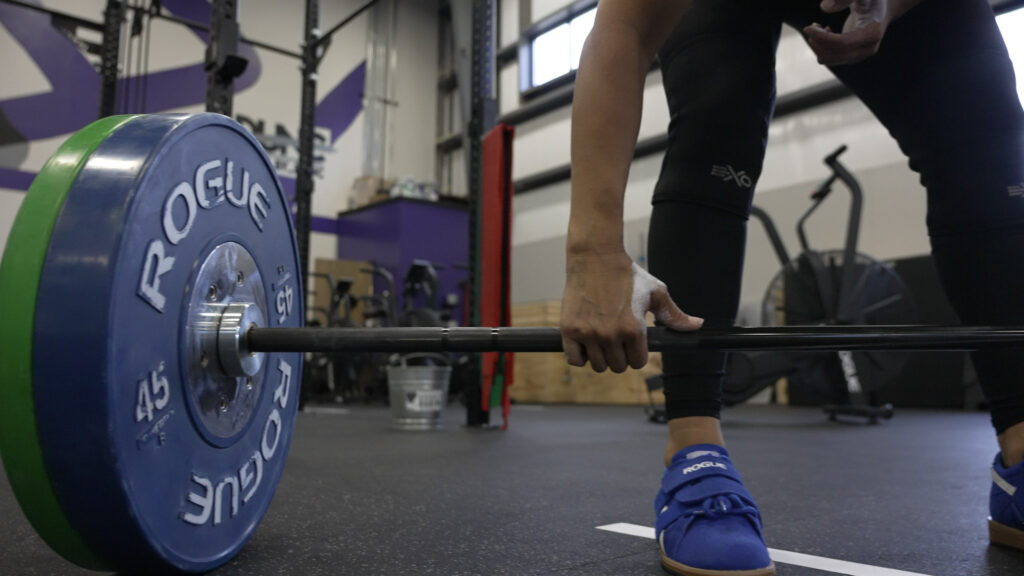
(548, 379)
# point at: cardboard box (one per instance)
(369, 189)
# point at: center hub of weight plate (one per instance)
(224, 380)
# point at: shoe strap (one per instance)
(683, 494)
(1010, 489)
(716, 474)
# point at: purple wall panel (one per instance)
(396, 232)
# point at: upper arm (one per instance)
(652, 20)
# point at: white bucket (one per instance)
(418, 393)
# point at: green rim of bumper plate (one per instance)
(20, 270)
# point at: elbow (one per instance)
(619, 40)
(650, 45)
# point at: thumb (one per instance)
(650, 294)
(666, 312)
(833, 6)
(865, 12)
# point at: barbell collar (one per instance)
(236, 320)
(549, 339)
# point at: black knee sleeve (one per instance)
(697, 250)
(975, 188)
(718, 69)
(983, 274)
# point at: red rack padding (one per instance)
(495, 261)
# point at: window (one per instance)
(1012, 26)
(551, 55)
(556, 52)
(579, 29)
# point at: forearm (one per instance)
(605, 122)
(606, 114)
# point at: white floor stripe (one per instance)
(837, 566)
(783, 556)
(630, 530)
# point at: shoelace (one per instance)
(723, 505)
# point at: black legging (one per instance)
(942, 83)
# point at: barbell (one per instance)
(152, 344)
(547, 339)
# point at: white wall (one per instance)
(9, 204)
(508, 16)
(274, 98)
(540, 9)
(416, 75)
(892, 224)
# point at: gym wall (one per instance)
(50, 90)
(894, 205)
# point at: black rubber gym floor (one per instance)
(359, 498)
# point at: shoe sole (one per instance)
(1004, 535)
(673, 567)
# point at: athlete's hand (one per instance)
(861, 36)
(603, 308)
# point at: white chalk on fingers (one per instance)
(644, 284)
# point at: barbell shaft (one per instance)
(549, 339)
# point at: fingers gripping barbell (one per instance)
(152, 343)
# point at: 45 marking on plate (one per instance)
(154, 393)
(285, 298)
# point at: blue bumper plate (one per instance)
(155, 459)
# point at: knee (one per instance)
(979, 187)
(718, 132)
(968, 146)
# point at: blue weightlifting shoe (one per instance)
(708, 524)
(1006, 505)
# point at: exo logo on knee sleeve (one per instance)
(729, 174)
